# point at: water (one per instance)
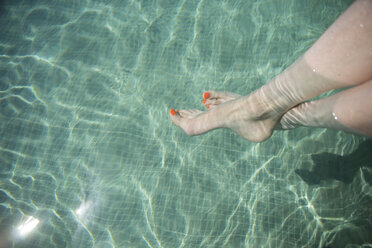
(90, 158)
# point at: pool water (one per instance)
(90, 158)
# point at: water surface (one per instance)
(90, 157)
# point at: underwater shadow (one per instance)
(2, 4)
(341, 168)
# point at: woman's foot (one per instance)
(250, 116)
(215, 98)
(322, 68)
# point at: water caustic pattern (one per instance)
(90, 158)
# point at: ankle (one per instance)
(299, 83)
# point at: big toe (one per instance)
(218, 95)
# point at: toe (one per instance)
(173, 112)
(206, 95)
(223, 96)
(190, 113)
(176, 118)
(214, 98)
(210, 94)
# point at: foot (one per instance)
(214, 98)
(255, 116)
(250, 116)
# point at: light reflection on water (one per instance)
(89, 156)
(27, 226)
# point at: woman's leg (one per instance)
(344, 52)
(342, 57)
(349, 110)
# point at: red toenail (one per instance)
(208, 106)
(178, 111)
(204, 101)
(206, 95)
(173, 112)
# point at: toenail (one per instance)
(208, 106)
(173, 112)
(204, 101)
(206, 95)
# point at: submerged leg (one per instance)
(340, 58)
(349, 110)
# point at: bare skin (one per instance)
(349, 110)
(342, 57)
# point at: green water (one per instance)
(89, 155)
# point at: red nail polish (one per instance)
(204, 101)
(208, 106)
(206, 95)
(173, 112)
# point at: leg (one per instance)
(349, 110)
(344, 52)
(254, 116)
